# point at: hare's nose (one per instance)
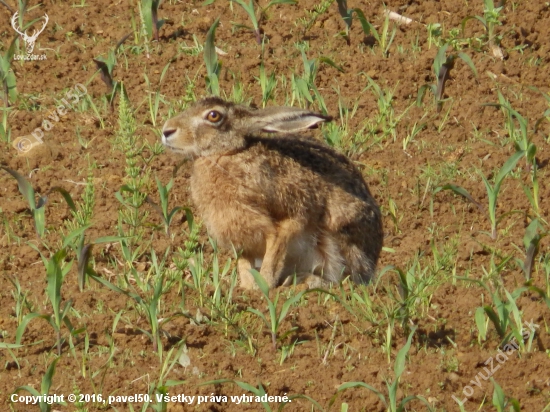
(166, 134)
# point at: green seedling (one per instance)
(45, 387)
(155, 98)
(20, 297)
(546, 114)
(55, 275)
(5, 130)
(434, 34)
(532, 193)
(347, 16)
(149, 12)
(500, 401)
(153, 290)
(267, 84)
(249, 8)
(384, 39)
(522, 142)
(274, 321)
(391, 403)
(221, 303)
(303, 86)
(175, 356)
(385, 121)
(37, 208)
(490, 20)
(492, 192)
(531, 241)
(504, 314)
(106, 67)
(213, 67)
(7, 76)
(166, 215)
(313, 15)
(442, 66)
(412, 133)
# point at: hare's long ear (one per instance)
(286, 120)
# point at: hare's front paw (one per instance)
(243, 267)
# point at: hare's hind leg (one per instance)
(276, 253)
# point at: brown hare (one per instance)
(292, 205)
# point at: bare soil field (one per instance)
(447, 117)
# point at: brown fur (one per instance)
(294, 203)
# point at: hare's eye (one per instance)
(214, 116)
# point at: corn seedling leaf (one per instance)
(105, 74)
(24, 322)
(466, 59)
(211, 60)
(274, 2)
(345, 13)
(260, 281)
(401, 356)
(54, 276)
(66, 195)
(328, 61)
(459, 191)
(25, 188)
(368, 29)
(495, 319)
(349, 385)
(10, 345)
(480, 322)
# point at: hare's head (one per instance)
(213, 126)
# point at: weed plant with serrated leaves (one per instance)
(133, 193)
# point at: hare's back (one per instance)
(306, 159)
